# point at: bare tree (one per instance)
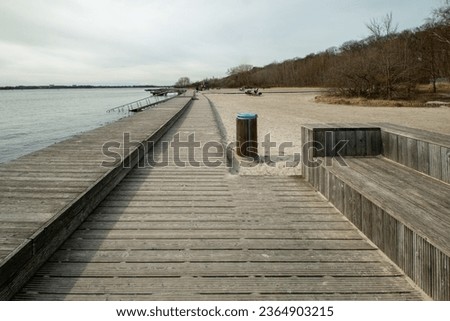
(239, 69)
(384, 27)
(183, 82)
(440, 22)
(387, 58)
(386, 64)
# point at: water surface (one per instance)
(36, 118)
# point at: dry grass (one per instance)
(335, 100)
(441, 88)
(424, 94)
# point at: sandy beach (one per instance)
(281, 112)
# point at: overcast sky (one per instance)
(131, 42)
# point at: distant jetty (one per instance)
(165, 91)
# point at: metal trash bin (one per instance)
(247, 135)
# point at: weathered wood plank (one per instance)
(404, 296)
(423, 161)
(423, 191)
(211, 225)
(361, 143)
(307, 234)
(219, 244)
(216, 269)
(219, 285)
(435, 161)
(393, 148)
(385, 149)
(282, 218)
(279, 255)
(445, 163)
(412, 160)
(418, 185)
(417, 134)
(402, 148)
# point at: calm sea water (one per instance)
(33, 119)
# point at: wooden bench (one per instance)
(387, 196)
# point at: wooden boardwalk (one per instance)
(45, 195)
(200, 233)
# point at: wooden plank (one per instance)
(435, 161)
(445, 162)
(366, 217)
(418, 134)
(402, 150)
(318, 143)
(390, 236)
(117, 256)
(348, 202)
(377, 227)
(361, 143)
(328, 233)
(332, 188)
(376, 142)
(307, 152)
(219, 285)
(181, 204)
(419, 186)
(393, 147)
(317, 216)
(385, 149)
(315, 177)
(330, 140)
(356, 215)
(404, 296)
(219, 244)
(322, 179)
(339, 194)
(400, 256)
(412, 159)
(217, 269)
(423, 157)
(350, 136)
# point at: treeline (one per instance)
(387, 64)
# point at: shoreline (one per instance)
(281, 112)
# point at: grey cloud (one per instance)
(158, 41)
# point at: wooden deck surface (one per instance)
(46, 194)
(200, 233)
(399, 198)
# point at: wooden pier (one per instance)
(44, 196)
(184, 233)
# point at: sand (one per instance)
(282, 111)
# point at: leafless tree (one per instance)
(381, 28)
(183, 82)
(440, 22)
(239, 69)
(387, 64)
